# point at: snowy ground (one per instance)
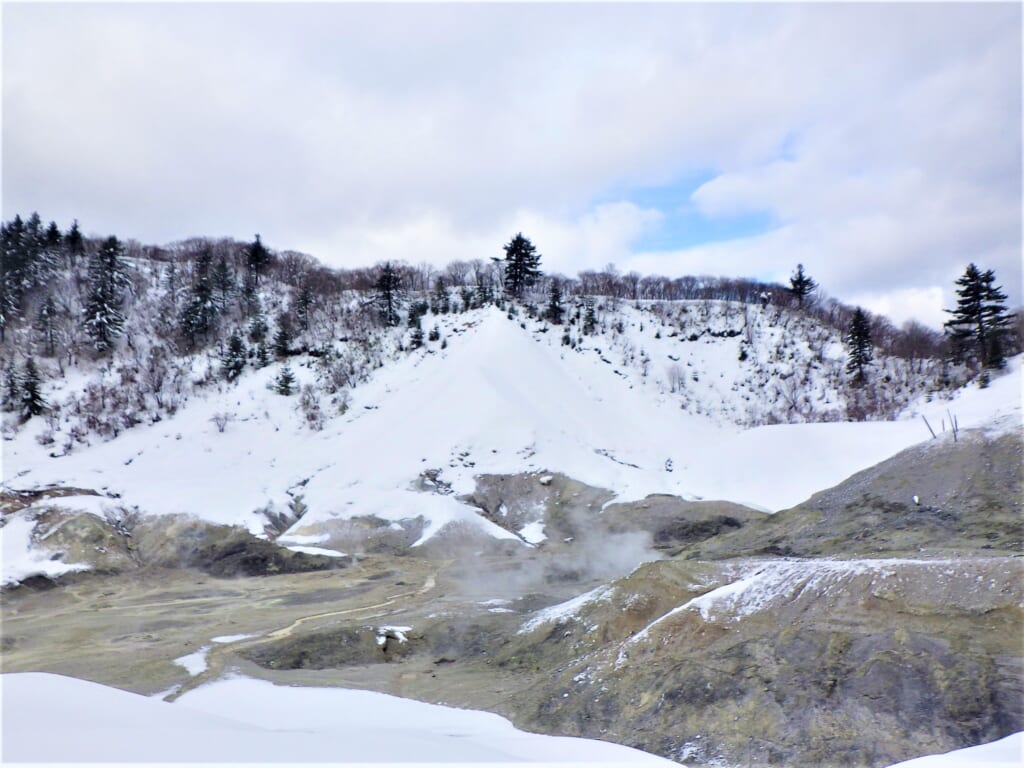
(239, 720)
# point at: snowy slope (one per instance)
(500, 398)
(238, 720)
(497, 400)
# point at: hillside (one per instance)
(670, 523)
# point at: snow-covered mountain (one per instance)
(494, 394)
(626, 458)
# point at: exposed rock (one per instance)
(969, 497)
(220, 550)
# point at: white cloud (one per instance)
(883, 138)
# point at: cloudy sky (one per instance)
(878, 144)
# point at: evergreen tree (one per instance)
(250, 294)
(522, 265)
(388, 298)
(257, 259)
(800, 285)
(589, 318)
(13, 266)
(12, 387)
(416, 337)
(442, 304)
(54, 238)
(232, 361)
(172, 284)
(555, 311)
(303, 306)
(223, 284)
(284, 384)
(74, 244)
(258, 328)
(283, 336)
(200, 311)
(32, 403)
(416, 311)
(858, 340)
(262, 355)
(980, 319)
(46, 325)
(107, 279)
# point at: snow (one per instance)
(563, 611)
(267, 723)
(759, 585)
(230, 638)
(194, 663)
(1007, 752)
(315, 550)
(22, 559)
(398, 633)
(499, 399)
(533, 533)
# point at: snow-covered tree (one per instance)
(107, 279)
(284, 384)
(232, 361)
(554, 311)
(32, 402)
(388, 297)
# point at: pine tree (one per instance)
(283, 336)
(522, 265)
(171, 285)
(12, 387)
(416, 337)
(32, 402)
(258, 328)
(442, 304)
(232, 361)
(284, 384)
(858, 339)
(980, 319)
(199, 314)
(303, 306)
(74, 244)
(589, 318)
(46, 325)
(555, 311)
(257, 259)
(223, 284)
(107, 279)
(388, 298)
(262, 355)
(13, 265)
(800, 285)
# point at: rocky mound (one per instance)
(939, 496)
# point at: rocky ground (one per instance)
(859, 628)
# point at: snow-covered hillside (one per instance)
(494, 395)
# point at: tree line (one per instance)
(211, 292)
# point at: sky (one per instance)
(877, 144)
